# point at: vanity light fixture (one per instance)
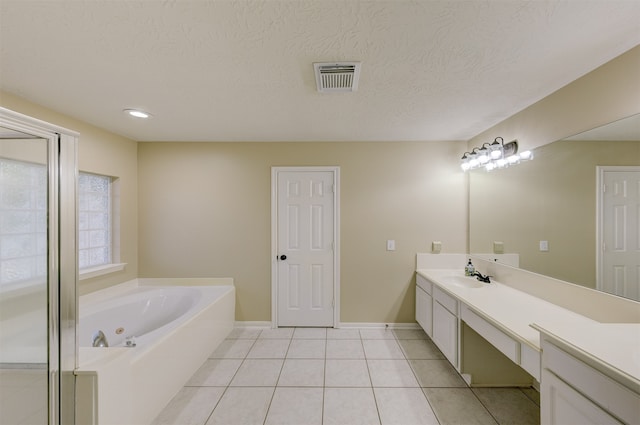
(494, 155)
(137, 113)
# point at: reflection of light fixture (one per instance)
(494, 155)
(137, 113)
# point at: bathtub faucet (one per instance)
(99, 339)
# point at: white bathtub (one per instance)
(175, 325)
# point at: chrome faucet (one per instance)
(482, 278)
(99, 339)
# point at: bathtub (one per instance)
(160, 331)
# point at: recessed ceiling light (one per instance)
(137, 113)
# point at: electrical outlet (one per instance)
(544, 246)
(436, 247)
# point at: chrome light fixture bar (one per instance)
(494, 155)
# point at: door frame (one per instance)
(336, 237)
(600, 171)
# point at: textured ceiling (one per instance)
(242, 70)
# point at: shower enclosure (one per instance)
(38, 271)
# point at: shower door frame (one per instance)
(62, 270)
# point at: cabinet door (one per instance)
(445, 332)
(561, 404)
(423, 310)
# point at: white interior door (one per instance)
(620, 231)
(305, 269)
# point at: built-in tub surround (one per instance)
(182, 322)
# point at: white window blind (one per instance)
(23, 222)
(94, 198)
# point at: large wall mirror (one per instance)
(547, 210)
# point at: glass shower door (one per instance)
(37, 342)
(24, 358)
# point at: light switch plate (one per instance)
(391, 245)
(544, 246)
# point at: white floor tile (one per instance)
(233, 349)
(278, 333)
(191, 406)
(410, 334)
(346, 373)
(419, 349)
(436, 373)
(244, 333)
(269, 349)
(307, 349)
(391, 373)
(350, 406)
(296, 406)
(246, 406)
(382, 349)
(377, 334)
(404, 406)
(302, 373)
(344, 349)
(343, 334)
(215, 373)
(310, 333)
(258, 373)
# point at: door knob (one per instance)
(283, 257)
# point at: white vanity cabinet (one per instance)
(574, 392)
(424, 303)
(445, 325)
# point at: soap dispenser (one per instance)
(469, 269)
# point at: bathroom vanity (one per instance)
(580, 347)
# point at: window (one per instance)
(23, 222)
(94, 221)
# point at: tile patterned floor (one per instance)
(302, 376)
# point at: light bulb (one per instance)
(137, 113)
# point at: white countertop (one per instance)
(612, 344)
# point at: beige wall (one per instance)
(100, 152)
(552, 198)
(205, 211)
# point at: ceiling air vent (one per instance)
(334, 77)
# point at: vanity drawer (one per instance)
(424, 284)
(508, 346)
(446, 300)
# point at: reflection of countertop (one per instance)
(614, 348)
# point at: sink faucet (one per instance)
(482, 278)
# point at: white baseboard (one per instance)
(252, 324)
(365, 325)
(342, 325)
